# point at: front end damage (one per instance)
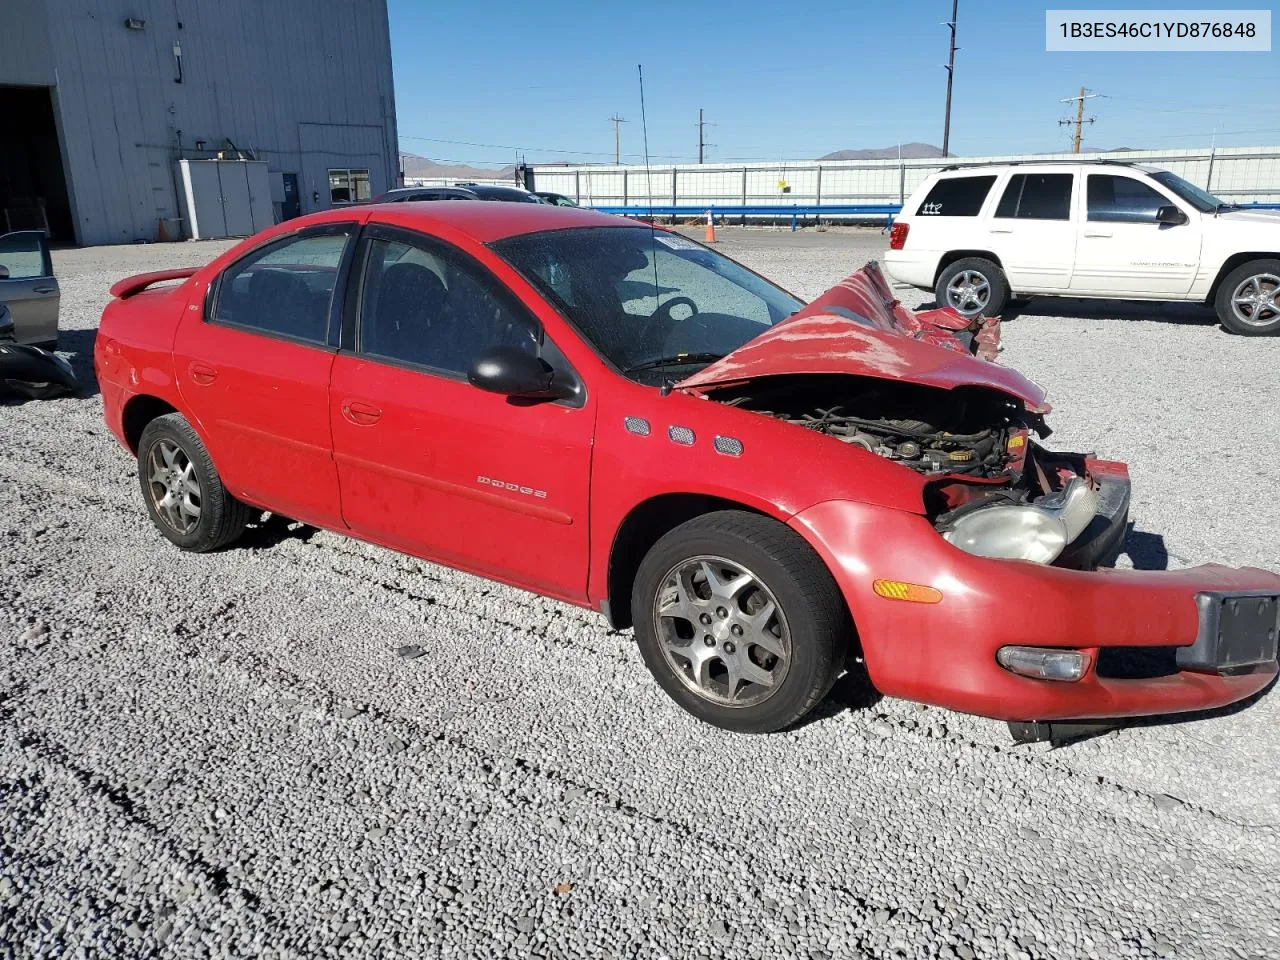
(997, 598)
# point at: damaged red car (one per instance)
(616, 416)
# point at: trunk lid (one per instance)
(859, 327)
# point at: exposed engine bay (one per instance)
(993, 491)
(973, 431)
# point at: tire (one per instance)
(170, 451)
(1258, 280)
(981, 270)
(807, 636)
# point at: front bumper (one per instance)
(945, 653)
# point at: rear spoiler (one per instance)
(123, 289)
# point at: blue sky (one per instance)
(791, 80)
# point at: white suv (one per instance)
(980, 235)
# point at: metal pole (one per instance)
(817, 198)
(624, 188)
(951, 73)
(674, 193)
(700, 140)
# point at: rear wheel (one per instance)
(973, 287)
(1248, 300)
(184, 495)
(740, 621)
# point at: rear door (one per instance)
(28, 286)
(254, 370)
(1124, 250)
(434, 466)
(1031, 230)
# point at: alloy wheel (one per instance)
(722, 631)
(1256, 301)
(174, 486)
(968, 292)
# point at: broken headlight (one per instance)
(1038, 531)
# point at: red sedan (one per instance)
(621, 418)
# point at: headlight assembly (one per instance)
(1038, 532)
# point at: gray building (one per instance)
(100, 100)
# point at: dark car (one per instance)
(556, 199)
(459, 191)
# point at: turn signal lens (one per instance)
(911, 592)
(898, 235)
(1042, 663)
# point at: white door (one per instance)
(1123, 248)
(1033, 233)
(235, 198)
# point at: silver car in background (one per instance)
(29, 288)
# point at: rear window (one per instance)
(1037, 196)
(956, 197)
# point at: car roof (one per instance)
(963, 168)
(486, 222)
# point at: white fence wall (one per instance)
(450, 181)
(1239, 174)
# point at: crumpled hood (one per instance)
(859, 327)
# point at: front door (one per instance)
(1124, 250)
(28, 287)
(434, 466)
(254, 370)
(1032, 232)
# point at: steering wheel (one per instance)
(661, 323)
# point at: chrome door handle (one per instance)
(994, 230)
(1094, 233)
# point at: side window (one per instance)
(1122, 199)
(285, 288)
(1037, 196)
(25, 255)
(428, 305)
(956, 197)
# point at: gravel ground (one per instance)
(206, 756)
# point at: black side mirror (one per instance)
(1170, 216)
(515, 373)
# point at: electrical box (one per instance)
(224, 198)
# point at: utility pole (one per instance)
(951, 74)
(1079, 121)
(617, 142)
(701, 140)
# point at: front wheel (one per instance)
(1248, 300)
(739, 621)
(973, 287)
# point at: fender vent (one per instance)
(681, 435)
(637, 425)
(729, 446)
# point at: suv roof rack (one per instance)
(1024, 163)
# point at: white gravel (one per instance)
(208, 756)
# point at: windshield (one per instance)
(1202, 200)
(656, 304)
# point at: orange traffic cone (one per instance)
(711, 228)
